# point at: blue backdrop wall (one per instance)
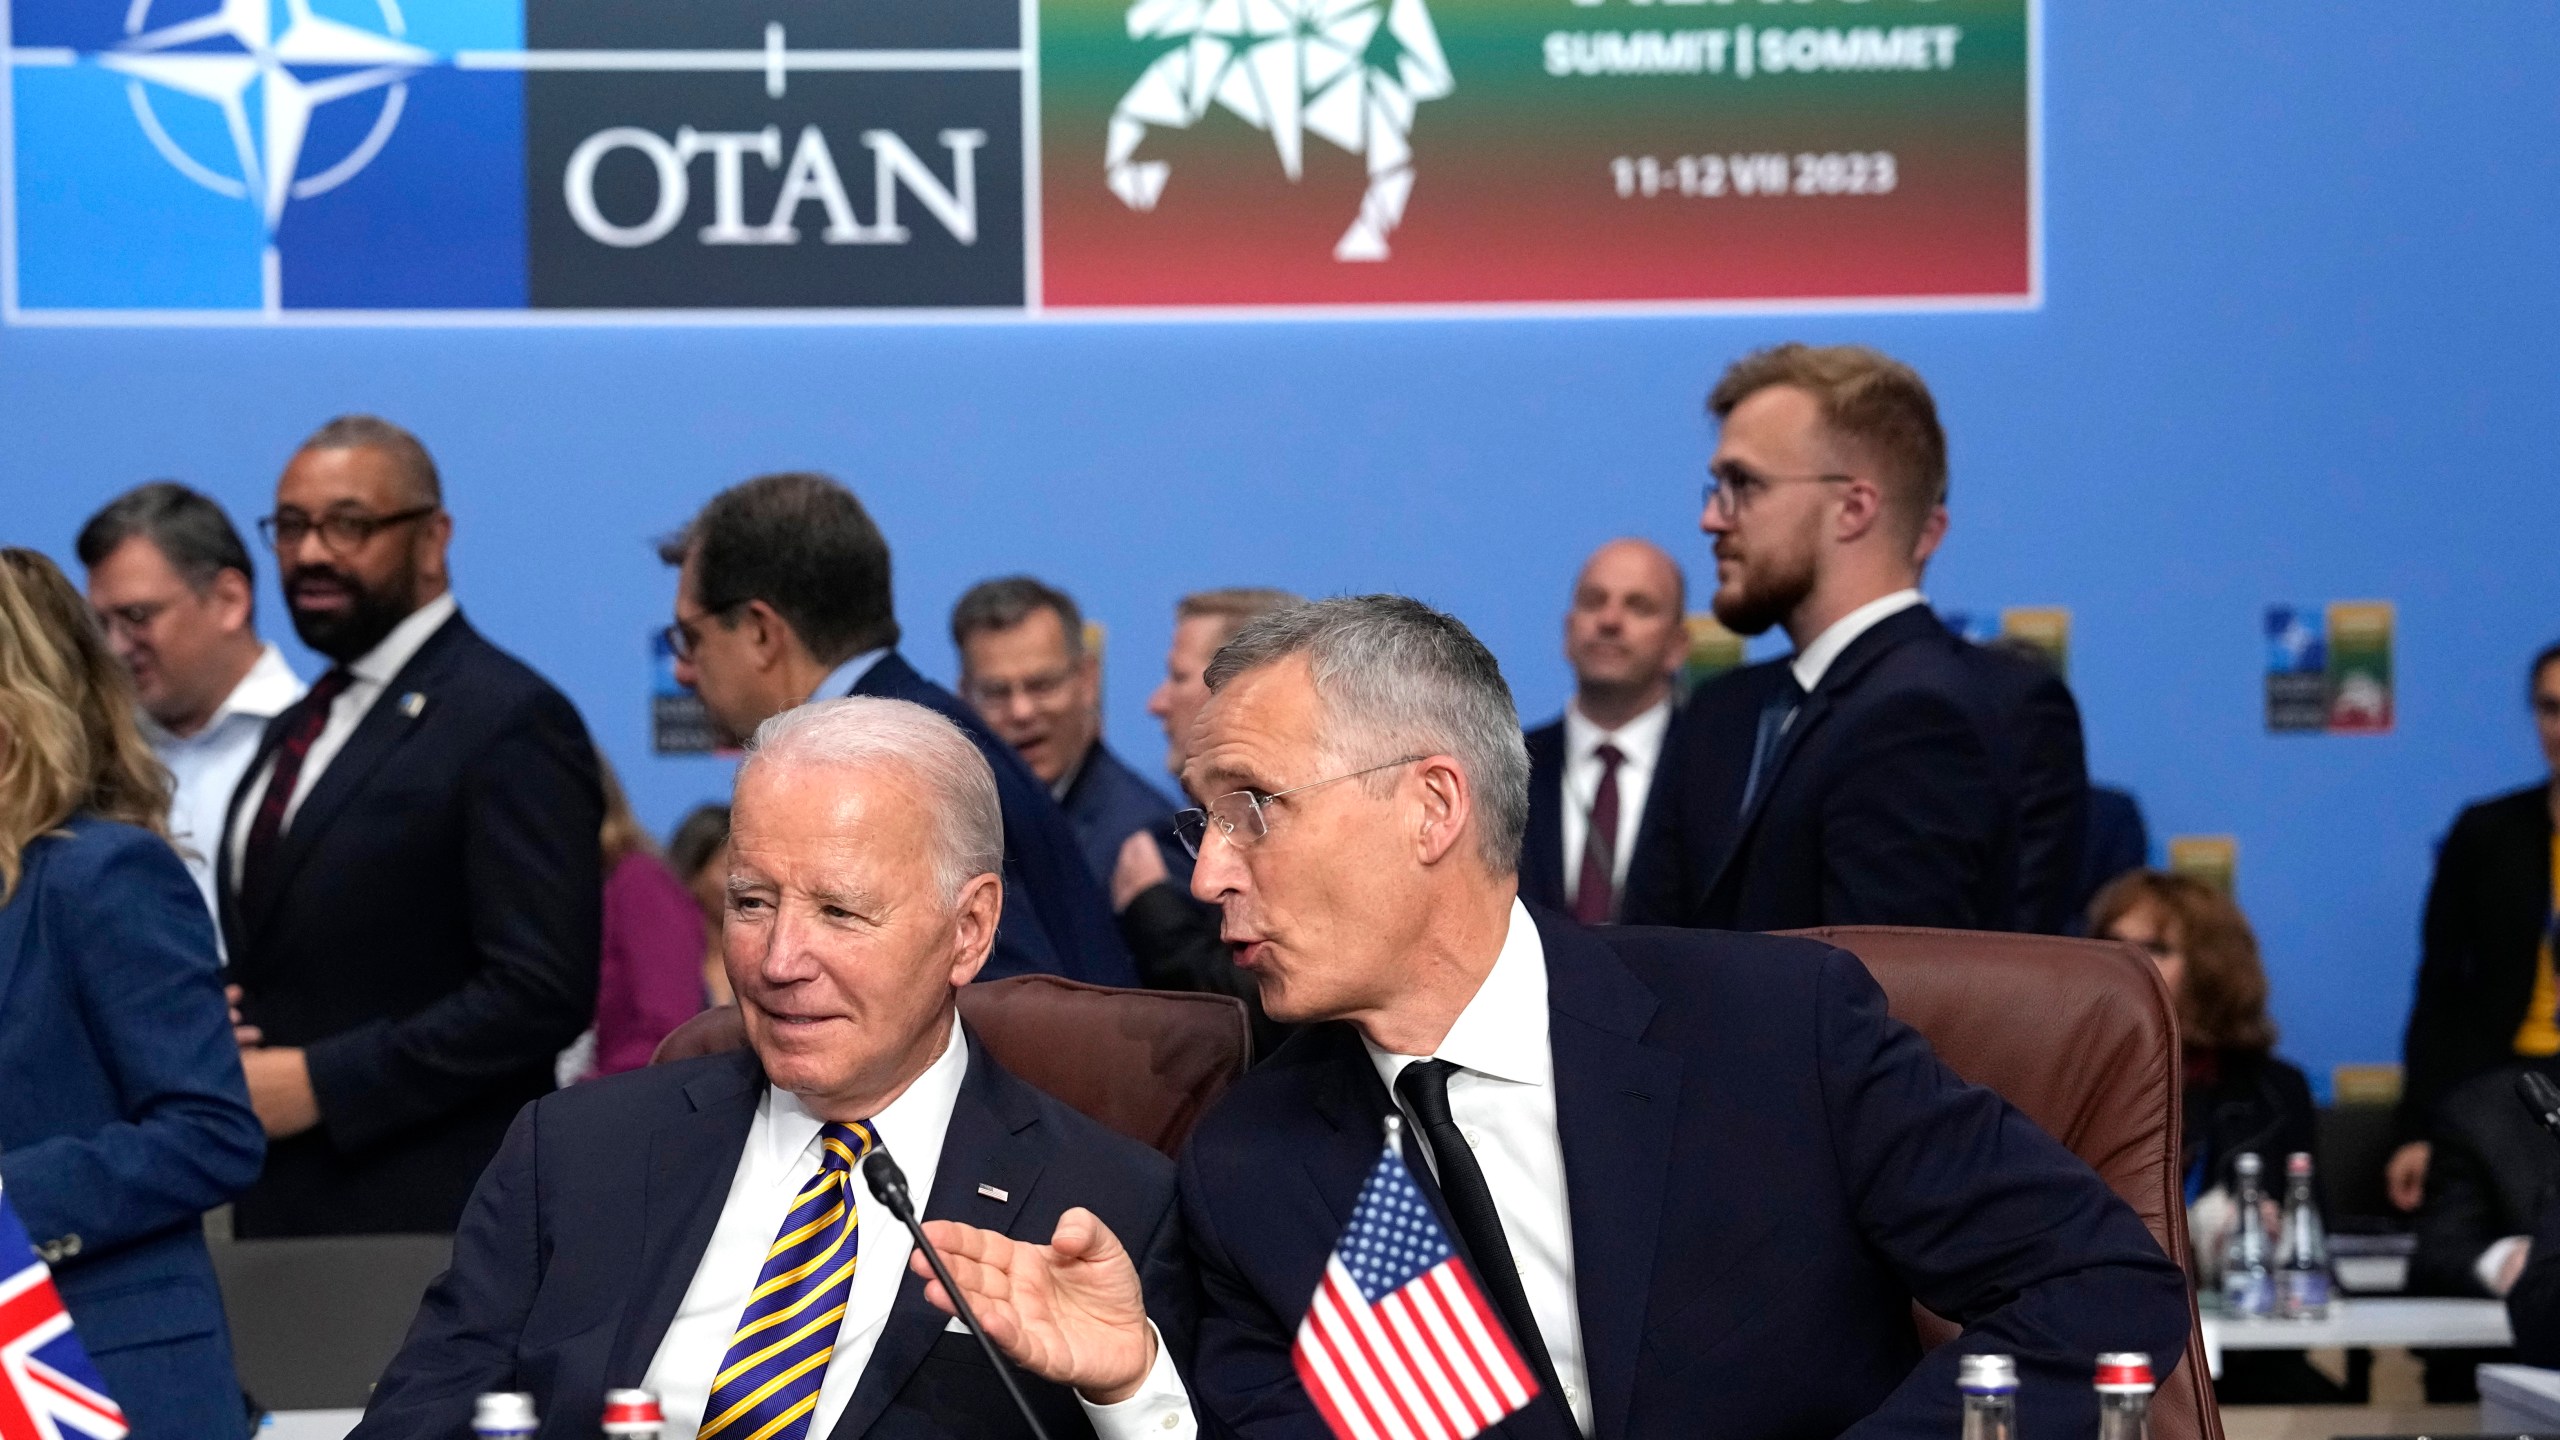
(2296, 347)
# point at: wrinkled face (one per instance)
(178, 643)
(2546, 715)
(838, 942)
(1178, 700)
(718, 663)
(1768, 543)
(1625, 630)
(1312, 908)
(344, 599)
(2156, 933)
(1035, 692)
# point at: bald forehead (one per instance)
(360, 474)
(1637, 565)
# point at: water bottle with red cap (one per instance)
(633, 1415)
(2124, 1396)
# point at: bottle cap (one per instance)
(503, 1413)
(2298, 1163)
(2124, 1372)
(1986, 1375)
(632, 1412)
(2248, 1163)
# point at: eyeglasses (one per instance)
(341, 531)
(1038, 689)
(683, 639)
(1731, 488)
(133, 619)
(1240, 816)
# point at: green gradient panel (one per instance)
(1521, 179)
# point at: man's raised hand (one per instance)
(1071, 1311)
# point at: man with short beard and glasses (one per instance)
(411, 880)
(1887, 772)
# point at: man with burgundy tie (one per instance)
(700, 1228)
(1592, 769)
(411, 882)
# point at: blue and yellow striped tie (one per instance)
(768, 1382)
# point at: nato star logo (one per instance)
(267, 79)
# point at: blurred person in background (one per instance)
(783, 596)
(1624, 636)
(698, 852)
(126, 1117)
(649, 970)
(175, 589)
(2486, 994)
(1025, 669)
(1173, 935)
(411, 879)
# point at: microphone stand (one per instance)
(889, 1186)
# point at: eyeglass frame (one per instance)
(1191, 826)
(271, 528)
(1725, 495)
(681, 641)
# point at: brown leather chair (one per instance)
(2080, 1035)
(1146, 1063)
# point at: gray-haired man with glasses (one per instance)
(410, 882)
(1695, 1174)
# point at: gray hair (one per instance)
(1397, 677)
(968, 823)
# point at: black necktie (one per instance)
(1425, 1087)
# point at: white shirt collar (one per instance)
(1503, 1030)
(385, 660)
(268, 689)
(1814, 660)
(1640, 739)
(841, 680)
(910, 1127)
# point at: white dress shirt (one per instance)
(1814, 660)
(840, 682)
(370, 674)
(1640, 741)
(1503, 1097)
(780, 1158)
(208, 764)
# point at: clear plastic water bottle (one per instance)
(1990, 1387)
(633, 1415)
(2248, 1259)
(2302, 1264)
(2124, 1396)
(503, 1415)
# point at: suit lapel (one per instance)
(392, 718)
(692, 1160)
(996, 1141)
(1617, 1103)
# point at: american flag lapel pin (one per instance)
(995, 1193)
(413, 704)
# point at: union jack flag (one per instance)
(48, 1388)
(1399, 1343)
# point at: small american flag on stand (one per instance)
(49, 1390)
(1399, 1343)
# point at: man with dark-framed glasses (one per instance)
(1887, 771)
(410, 880)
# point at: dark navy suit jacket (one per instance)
(125, 1115)
(1926, 781)
(1542, 877)
(1057, 917)
(428, 933)
(1763, 1171)
(583, 1236)
(1107, 803)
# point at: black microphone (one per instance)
(2541, 1097)
(889, 1187)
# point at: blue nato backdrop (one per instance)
(2291, 347)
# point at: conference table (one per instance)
(2373, 1322)
(309, 1424)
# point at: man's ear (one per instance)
(230, 597)
(1861, 510)
(1448, 804)
(768, 635)
(974, 919)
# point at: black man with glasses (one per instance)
(1886, 772)
(411, 883)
